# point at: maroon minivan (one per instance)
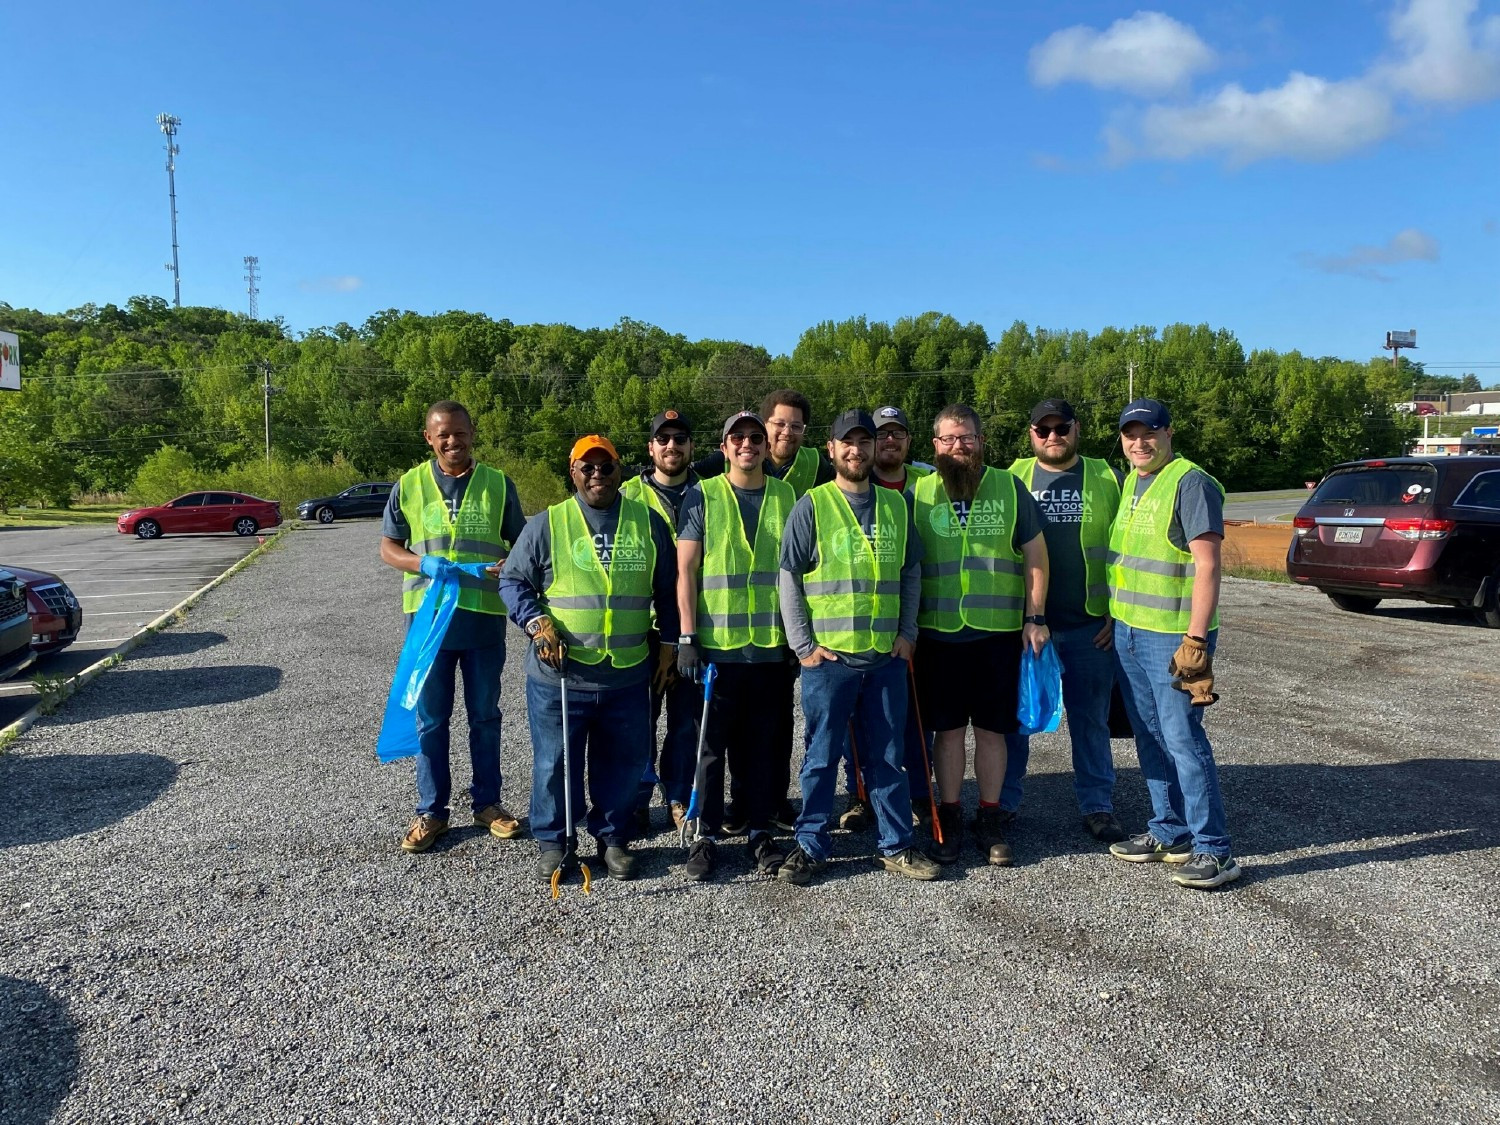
(1421, 528)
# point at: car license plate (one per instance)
(1348, 534)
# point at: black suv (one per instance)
(15, 627)
(1421, 528)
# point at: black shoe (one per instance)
(767, 854)
(989, 835)
(1204, 872)
(619, 862)
(701, 859)
(858, 816)
(1146, 848)
(1103, 827)
(735, 822)
(951, 821)
(785, 817)
(799, 868)
(548, 862)
(921, 812)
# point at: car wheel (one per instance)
(245, 526)
(148, 529)
(325, 514)
(1354, 603)
(1488, 614)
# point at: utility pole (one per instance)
(252, 275)
(1130, 374)
(169, 125)
(267, 391)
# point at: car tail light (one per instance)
(1304, 524)
(1420, 528)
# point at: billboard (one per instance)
(1401, 339)
(10, 362)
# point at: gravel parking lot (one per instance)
(207, 915)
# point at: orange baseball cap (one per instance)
(592, 441)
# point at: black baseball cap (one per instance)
(670, 418)
(1048, 406)
(1147, 411)
(849, 421)
(888, 415)
(743, 416)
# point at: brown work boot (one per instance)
(679, 814)
(423, 833)
(499, 821)
(989, 834)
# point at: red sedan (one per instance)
(201, 512)
(56, 615)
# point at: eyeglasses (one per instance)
(595, 468)
(754, 437)
(676, 437)
(968, 441)
(892, 435)
(1062, 429)
(789, 427)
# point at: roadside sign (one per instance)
(10, 362)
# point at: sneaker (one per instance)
(735, 822)
(1103, 827)
(499, 821)
(989, 834)
(767, 854)
(785, 817)
(1205, 872)
(1146, 848)
(799, 868)
(951, 821)
(701, 859)
(679, 814)
(548, 862)
(619, 862)
(423, 833)
(858, 816)
(912, 863)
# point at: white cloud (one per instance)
(1410, 245)
(342, 284)
(1306, 117)
(1149, 53)
(1446, 55)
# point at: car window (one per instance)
(191, 500)
(380, 489)
(1481, 492)
(1378, 485)
(222, 498)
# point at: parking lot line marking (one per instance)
(114, 613)
(132, 594)
(174, 578)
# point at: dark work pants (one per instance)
(740, 730)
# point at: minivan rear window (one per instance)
(1378, 486)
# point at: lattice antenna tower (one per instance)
(169, 125)
(252, 277)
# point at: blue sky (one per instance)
(1306, 175)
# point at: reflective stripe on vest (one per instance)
(474, 536)
(1150, 580)
(804, 471)
(739, 602)
(1101, 500)
(854, 593)
(971, 576)
(636, 488)
(602, 616)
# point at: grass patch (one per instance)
(1258, 573)
(62, 517)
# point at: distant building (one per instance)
(1455, 445)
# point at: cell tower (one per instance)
(169, 125)
(252, 276)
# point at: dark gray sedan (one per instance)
(366, 499)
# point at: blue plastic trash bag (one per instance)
(1040, 705)
(398, 732)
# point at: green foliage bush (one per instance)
(170, 472)
(538, 486)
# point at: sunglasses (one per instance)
(754, 437)
(675, 438)
(1062, 429)
(594, 468)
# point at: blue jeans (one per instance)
(610, 728)
(833, 694)
(1176, 759)
(481, 668)
(1087, 681)
(918, 773)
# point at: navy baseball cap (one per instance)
(892, 415)
(1048, 406)
(1147, 411)
(849, 421)
(742, 416)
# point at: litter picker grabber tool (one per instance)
(911, 675)
(690, 823)
(570, 846)
(859, 777)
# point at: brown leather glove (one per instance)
(1192, 671)
(666, 669)
(550, 649)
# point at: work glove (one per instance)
(666, 669)
(437, 568)
(690, 661)
(550, 649)
(1192, 671)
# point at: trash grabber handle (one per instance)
(911, 675)
(570, 848)
(859, 776)
(695, 801)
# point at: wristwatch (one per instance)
(534, 626)
(687, 638)
(1036, 619)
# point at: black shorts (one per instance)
(963, 682)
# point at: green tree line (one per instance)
(139, 398)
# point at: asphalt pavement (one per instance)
(207, 914)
